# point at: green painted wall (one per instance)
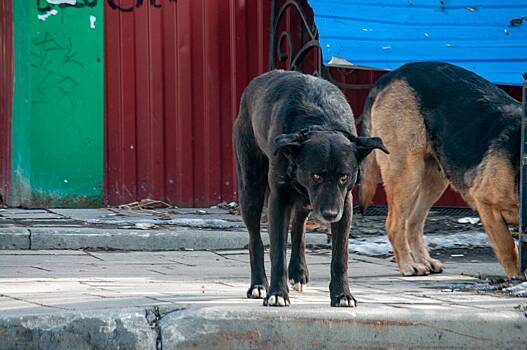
(58, 109)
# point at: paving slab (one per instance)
(14, 238)
(196, 299)
(119, 229)
(176, 238)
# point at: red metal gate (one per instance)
(6, 94)
(174, 76)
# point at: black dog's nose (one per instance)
(330, 215)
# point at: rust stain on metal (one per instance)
(6, 96)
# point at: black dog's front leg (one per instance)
(279, 214)
(339, 286)
(297, 272)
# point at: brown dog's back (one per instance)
(442, 124)
(393, 114)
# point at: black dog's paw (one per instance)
(298, 278)
(277, 299)
(257, 291)
(298, 286)
(343, 300)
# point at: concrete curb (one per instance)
(234, 327)
(256, 327)
(14, 238)
(82, 330)
(132, 240)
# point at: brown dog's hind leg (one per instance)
(297, 271)
(501, 238)
(402, 189)
(432, 186)
(397, 118)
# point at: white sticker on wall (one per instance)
(47, 14)
(58, 2)
(92, 22)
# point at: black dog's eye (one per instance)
(316, 177)
(343, 179)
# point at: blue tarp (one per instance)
(488, 37)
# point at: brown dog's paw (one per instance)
(413, 269)
(432, 265)
(257, 291)
(343, 300)
(277, 299)
(436, 266)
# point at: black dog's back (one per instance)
(286, 102)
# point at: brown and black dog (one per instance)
(295, 138)
(443, 125)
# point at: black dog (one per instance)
(295, 137)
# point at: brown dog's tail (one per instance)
(370, 176)
(370, 173)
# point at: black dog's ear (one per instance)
(287, 144)
(367, 144)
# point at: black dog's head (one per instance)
(326, 164)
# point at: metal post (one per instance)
(272, 44)
(523, 181)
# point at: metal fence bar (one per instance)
(523, 181)
(299, 49)
(272, 33)
(294, 52)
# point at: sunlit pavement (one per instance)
(185, 299)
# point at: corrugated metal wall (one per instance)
(174, 76)
(6, 94)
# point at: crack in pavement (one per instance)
(153, 317)
(92, 255)
(41, 268)
(84, 283)
(33, 302)
(180, 263)
(226, 257)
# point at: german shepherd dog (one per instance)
(443, 125)
(295, 139)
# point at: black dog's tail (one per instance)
(370, 174)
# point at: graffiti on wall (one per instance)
(118, 4)
(44, 6)
(54, 85)
(48, 8)
(59, 131)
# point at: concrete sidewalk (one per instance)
(195, 299)
(120, 229)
